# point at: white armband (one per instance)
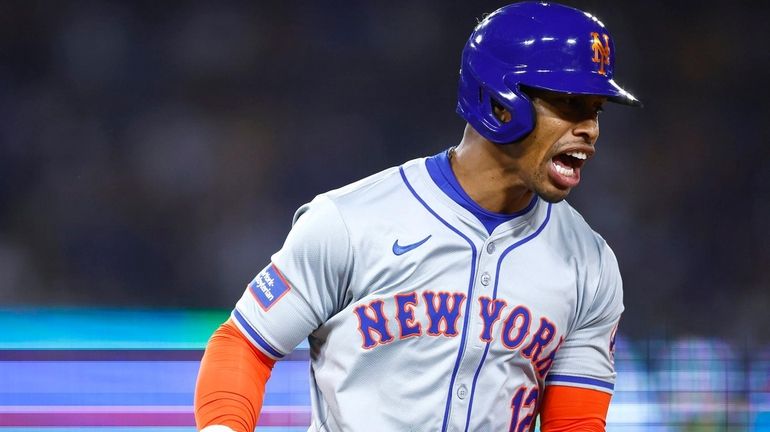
(216, 428)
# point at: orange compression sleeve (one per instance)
(231, 381)
(573, 409)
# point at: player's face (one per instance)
(552, 156)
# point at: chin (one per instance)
(553, 195)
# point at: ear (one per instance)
(501, 113)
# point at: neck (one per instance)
(489, 175)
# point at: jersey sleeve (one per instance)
(302, 286)
(586, 356)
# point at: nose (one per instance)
(588, 129)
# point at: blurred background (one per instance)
(152, 155)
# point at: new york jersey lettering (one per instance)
(440, 313)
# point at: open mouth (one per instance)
(568, 164)
(565, 168)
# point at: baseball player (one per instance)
(457, 292)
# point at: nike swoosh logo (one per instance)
(400, 250)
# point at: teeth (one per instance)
(565, 171)
(577, 154)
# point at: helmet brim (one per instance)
(567, 83)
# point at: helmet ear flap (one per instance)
(518, 106)
(523, 117)
(475, 105)
(502, 114)
(487, 109)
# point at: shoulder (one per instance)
(379, 183)
(573, 226)
(600, 285)
(367, 196)
(577, 238)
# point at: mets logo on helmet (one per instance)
(601, 51)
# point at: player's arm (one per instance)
(290, 298)
(231, 382)
(580, 384)
(573, 409)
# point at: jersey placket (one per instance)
(462, 391)
(491, 255)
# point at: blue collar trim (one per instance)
(441, 172)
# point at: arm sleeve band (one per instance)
(231, 381)
(573, 409)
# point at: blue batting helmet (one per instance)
(532, 44)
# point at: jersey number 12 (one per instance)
(523, 406)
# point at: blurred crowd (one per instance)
(152, 153)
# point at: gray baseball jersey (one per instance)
(419, 319)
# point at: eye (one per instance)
(580, 105)
(569, 104)
(573, 104)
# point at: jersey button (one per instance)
(485, 278)
(491, 248)
(462, 391)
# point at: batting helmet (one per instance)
(532, 44)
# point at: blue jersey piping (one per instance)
(581, 380)
(467, 303)
(254, 335)
(494, 297)
(440, 170)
